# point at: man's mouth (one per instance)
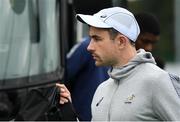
(95, 57)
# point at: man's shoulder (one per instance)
(106, 84)
(152, 74)
(151, 69)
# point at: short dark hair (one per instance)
(113, 33)
(148, 23)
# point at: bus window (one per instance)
(29, 43)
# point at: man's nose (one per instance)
(90, 47)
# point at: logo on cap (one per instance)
(103, 16)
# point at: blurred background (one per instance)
(168, 13)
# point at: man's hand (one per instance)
(65, 95)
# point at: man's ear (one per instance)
(121, 41)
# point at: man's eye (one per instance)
(97, 39)
(145, 41)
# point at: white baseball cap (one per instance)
(118, 18)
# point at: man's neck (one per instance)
(126, 56)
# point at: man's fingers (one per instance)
(64, 92)
(63, 100)
(60, 85)
(63, 87)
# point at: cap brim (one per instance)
(92, 21)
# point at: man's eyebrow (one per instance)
(149, 40)
(95, 36)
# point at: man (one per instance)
(150, 31)
(82, 73)
(137, 89)
(149, 34)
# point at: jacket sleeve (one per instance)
(77, 58)
(166, 101)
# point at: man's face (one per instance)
(146, 41)
(102, 48)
